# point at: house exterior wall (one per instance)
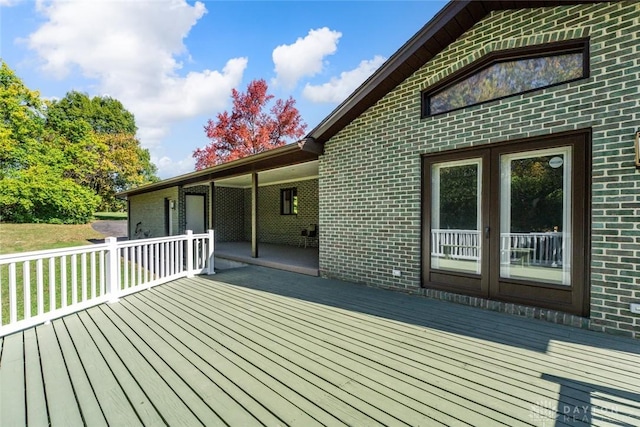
(182, 205)
(370, 173)
(148, 208)
(282, 229)
(230, 213)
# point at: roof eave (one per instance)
(281, 156)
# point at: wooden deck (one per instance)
(254, 346)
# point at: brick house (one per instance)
(489, 161)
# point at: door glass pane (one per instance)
(455, 215)
(535, 215)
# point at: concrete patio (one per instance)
(297, 259)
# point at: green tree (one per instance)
(21, 124)
(98, 139)
(32, 187)
(61, 160)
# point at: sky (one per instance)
(173, 63)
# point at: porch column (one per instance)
(212, 206)
(254, 214)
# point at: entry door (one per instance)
(195, 213)
(509, 222)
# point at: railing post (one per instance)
(112, 276)
(189, 253)
(210, 255)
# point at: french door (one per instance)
(510, 222)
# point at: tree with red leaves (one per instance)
(249, 129)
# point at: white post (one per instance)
(112, 277)
(210, 255)
(189, 253)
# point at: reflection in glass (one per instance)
(535, 217)
(508, 78)
(455, 215)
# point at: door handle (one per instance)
(486, 232)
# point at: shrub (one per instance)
(40, 194)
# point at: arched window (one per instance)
(506, 73)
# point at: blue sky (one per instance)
(173, 63)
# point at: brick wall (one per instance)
(148, 208)
(229, 209)
(370, 174)
(282, 229)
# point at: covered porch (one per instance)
(256, 346)
(297, 259)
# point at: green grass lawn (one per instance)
(110, 215)
(34, 237)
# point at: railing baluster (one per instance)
(26, 285)
(74, 279)
(139, 261)
(52, 284)
(92, 256)
(63, 281)
(103, 273)
(13, 300)
(156, 261)
(83, 260)
(40, 286)
(132, 277)
(173, 263)
(145, 250)
(125, 268)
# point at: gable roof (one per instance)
(451, 22)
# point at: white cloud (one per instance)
(167, 167)
(304, 57)
(337, 89)
(131, 48)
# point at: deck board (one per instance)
(87, 402)
(12, 384)
(36, 413)
(116, 407)
(60, 395)
(402, 397)
(155, 377)
(255, 346)
(393, 371)
(146, 412)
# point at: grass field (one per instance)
(111, 215)
(33, 237)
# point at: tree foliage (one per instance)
(62, 160)
(249, 128)
(98, 139)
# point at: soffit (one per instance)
(292, 173)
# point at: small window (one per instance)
(288, 201)
(507, 73)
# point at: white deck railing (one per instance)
(459, 244)
(542, 249)
(36, 287)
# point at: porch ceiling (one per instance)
(298, 172)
